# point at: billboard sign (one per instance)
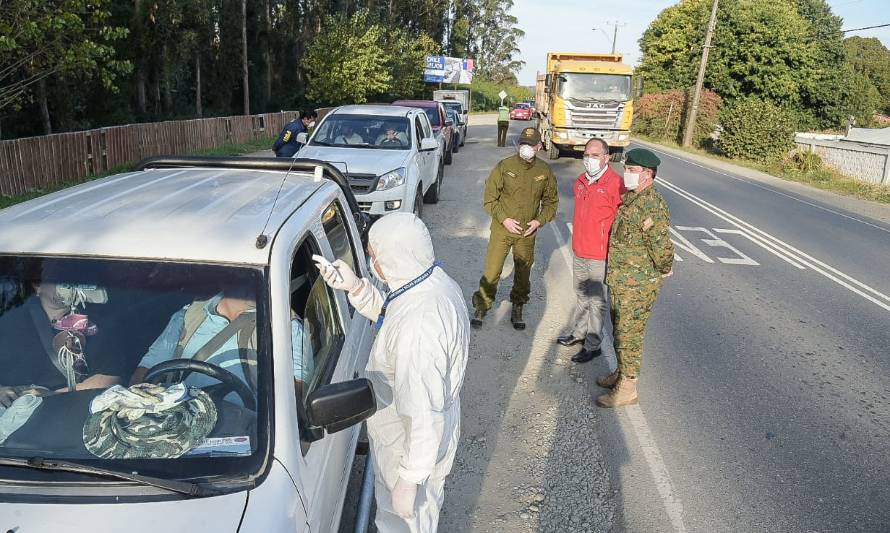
(443, 69)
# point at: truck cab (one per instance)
(256, 435)
(584, 96)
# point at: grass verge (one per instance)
(823, 178)
(254, 145)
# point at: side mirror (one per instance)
(449, 123)
(302, 137)
(338, 406)
(428, 144)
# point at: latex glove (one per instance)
(512, 225)
(345, 281)
(532, 227)
(403, 496)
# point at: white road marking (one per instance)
(869, 293)
(762, 244)
(677, 257)
(770, 189)
(634, 414)
(684, 244)
(717, 242)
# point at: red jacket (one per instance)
(595, 207)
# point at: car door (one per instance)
(435, 158)
(424, 159)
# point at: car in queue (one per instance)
(460, 128)
(128, 415)
(442, 126)
(390, 154)
(521, 111)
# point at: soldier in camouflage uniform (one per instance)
(641, 255)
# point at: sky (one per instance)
(568, 26)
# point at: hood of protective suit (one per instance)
(402, 247)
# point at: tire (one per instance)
(448, 158)
(418, 203)
(457, 147)
(432, 194)
(553, 151)
(463, 140)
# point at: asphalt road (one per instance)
(765, 390)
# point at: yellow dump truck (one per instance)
(584, 96)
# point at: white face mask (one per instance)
(373, 269)
(593, 166)
(526, 152)
(631, 180)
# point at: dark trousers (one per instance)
(502, 132)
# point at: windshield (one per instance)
(364, 131)
(77, 332)
(594, 86)
(456, 106)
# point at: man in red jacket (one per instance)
(597, 196)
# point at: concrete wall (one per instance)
(866, 162)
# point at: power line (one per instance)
(865, 28)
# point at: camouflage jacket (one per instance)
(640, 248)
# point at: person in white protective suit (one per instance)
(417, 368)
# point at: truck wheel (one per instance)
(616, 155)
(448, 157)
(432, 194)
(418, 203)
(553, 151)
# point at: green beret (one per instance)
(642, 157)
(530, 136)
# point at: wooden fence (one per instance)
(39, 162)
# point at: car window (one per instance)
(432, 113)
(313, 303)
(427, 130)
(418, 130)
(337, 232)
(364, 131)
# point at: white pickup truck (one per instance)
(264, 437)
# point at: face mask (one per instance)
(593, 166)
(374, 268)
(526, 152)
(631, 180)
(311, 124)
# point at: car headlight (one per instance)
(391, 179)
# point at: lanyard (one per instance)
(402, 290)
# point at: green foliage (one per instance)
(407, 61)
(871, 61)
(347, 62)
(789, 52)
(802, 162)
(662, 115)
(485, 94)
(756, 129)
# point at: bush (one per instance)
(485, 94)
(756, 130)
(802, 162)
(662, 115)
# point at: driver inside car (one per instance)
(221, 331)
(44, 344)
(392, 137)
(348, 135)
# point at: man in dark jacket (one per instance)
(286, 144)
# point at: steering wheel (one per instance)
(186, 366)
(394, 140)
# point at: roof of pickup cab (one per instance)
(416, 103)
(374, 109)
(190, 214)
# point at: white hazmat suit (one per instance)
(417, 367)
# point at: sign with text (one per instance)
(443, 69)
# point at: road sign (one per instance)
(502, 94)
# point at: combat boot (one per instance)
(624, 393)
(478, 318)
(516, 317)
(608, 381)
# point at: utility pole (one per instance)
(614, 38)
(696, 96)
(615, 25)
(244, 57)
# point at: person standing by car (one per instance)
(520, 196)
(286, 144)
(417, 366)
(641, 255)
(503, 123)
(597, 197)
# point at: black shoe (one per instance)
(478, 318)
(516, 317)
(586, 355)
(569, 340)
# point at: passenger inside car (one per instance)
(391, 136)
(348, 135)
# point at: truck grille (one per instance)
(595, 115)
(362, 183)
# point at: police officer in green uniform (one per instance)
(641, 255)
(503, 124)
(520, 196)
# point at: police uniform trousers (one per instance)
(503, 125)
(631, 307)
(500, 244)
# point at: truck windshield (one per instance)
(594, 86)
(364, 131)
(76, 333)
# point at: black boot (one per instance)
(586, 355)
(478, 318)
(516, 317)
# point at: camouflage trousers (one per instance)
(631, 307)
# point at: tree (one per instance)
(346, 63)
(407, 61)
(498, 42)
(871, 60)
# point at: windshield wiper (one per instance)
(39, 463)
(320, 143)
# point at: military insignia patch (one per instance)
(539, 178)
(287, 136)
(648, 223)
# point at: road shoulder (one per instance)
(863, 208)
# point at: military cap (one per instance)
(530, 136)
(642, 157)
